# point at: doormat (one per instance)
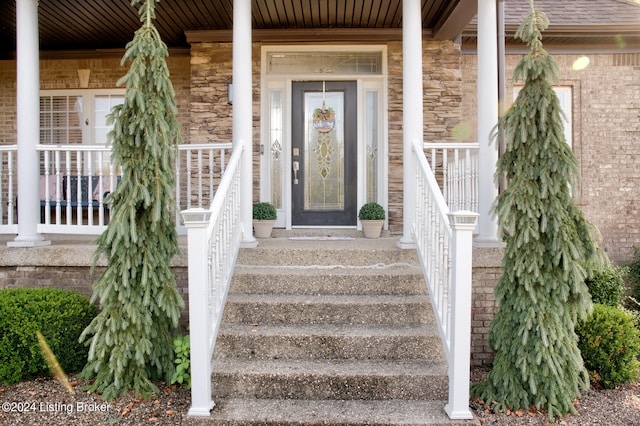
(319, 238)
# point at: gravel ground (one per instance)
(45, 402)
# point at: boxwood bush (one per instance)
(607, 286)
(633, 275)
(59, 315)
(610, 345)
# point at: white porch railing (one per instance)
(75, 179)
(8, 181)
(455, 166)
(444, 242)
(214, 238)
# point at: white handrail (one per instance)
(443, 241)
(213, 246)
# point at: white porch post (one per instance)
(487, 119)
(462, 223)
(28, 126)
(243, 111)
(412, 116)
(197, 221)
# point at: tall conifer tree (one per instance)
(541, 293)
(131, 338)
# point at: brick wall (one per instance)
(105, 72)
(606, 140)
(76, 278)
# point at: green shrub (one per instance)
(610, 345)
(264, 211)
(633, 273)
(59, 315)
(606, 285)
(182, 350)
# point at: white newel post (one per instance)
(462, 223)
(28, 124)
(243, 112)
(487, 119)
(412, 115)
(197, 221)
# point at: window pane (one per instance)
(60, 119)
(276, 133)
(324, 62)
(371, 135)
(102, 107)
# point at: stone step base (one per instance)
(268, 412)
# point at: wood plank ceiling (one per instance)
(108, 24)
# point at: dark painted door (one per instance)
(324, 148)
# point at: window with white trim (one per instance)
(77, 117)
(564, 94)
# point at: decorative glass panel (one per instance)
(324, 63)
(371, 138)
(276, 135)
(324, 151)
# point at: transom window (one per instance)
(367, 63)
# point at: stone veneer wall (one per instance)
(442, 103)
(606, 140)
(211, 115)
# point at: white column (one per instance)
(243, 112)
(196, 221)
(28, 125)
(462, 223)
(412, 115)
(487, 119)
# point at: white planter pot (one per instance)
(372, 228)
(262, 228)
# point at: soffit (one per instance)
(66, 25)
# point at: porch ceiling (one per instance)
(67, 25)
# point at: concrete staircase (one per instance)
(331, 333)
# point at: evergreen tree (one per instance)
(541, 293)
(131, 338)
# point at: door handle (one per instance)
(296, 167)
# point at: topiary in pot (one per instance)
(264, 216)
(372, 216)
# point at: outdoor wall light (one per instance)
(230, 93)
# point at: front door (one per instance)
(324, 148)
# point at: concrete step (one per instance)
(330, 379)
(328, 332)
(261, 412)
(359, 252)
(327, 309)
(329, 341)
(377, 279)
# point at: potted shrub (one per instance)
(372, 216)
(264, 216)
